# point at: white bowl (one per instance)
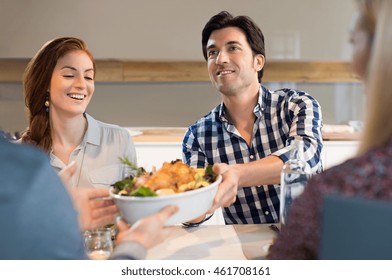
(192, 204)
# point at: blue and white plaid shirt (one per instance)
(281, 116)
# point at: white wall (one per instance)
(171, 30)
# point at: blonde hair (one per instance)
(378, 122)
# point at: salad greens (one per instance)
(132, 186)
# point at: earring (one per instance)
(47, 103)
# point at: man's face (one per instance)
(231, 64)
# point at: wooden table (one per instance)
(215, 242)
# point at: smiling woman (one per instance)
(58, 87)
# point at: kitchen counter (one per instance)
(155, 145)
(176, 134)
(157, 134)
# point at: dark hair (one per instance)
(36, 82)
(224, 19)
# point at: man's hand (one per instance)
(227, 190)
(148, 231)
(66, 174)
(93, 210)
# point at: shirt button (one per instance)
(266, 212)
(251, 156)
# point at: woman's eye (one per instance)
(68, 76)
(89, 78)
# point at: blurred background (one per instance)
(148, 30)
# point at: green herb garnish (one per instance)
(139, 170)
(209, 175)
(143, 191)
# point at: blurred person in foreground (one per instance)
(58, 86)
(369, 174)
(42, 221)
(248, 135)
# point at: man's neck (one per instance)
(239, 108)
(239, 111)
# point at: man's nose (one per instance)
(222, 58)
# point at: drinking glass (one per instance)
(98, 243)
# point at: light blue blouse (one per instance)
(97, 156)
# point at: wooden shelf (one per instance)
(117, 71)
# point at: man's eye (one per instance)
(212, 53)
(233, 48)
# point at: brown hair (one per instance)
(377, 20)
(253, 33)
(36, 83)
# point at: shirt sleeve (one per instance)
(303, 113)
(62, 229)
(192, 152)
(129, 251)
(43, 217)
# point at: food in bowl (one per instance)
(191, 189)
(174, 177)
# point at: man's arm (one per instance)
(265, 171)
(303, 115)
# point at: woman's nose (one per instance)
(80, 82)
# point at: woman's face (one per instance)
(361, 42)
(72, 84)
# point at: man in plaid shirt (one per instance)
(248, 135)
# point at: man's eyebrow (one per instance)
(227, 44)
(233, 43)
(211, 46)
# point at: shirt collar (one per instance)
(92, 136)
(257, 110)
(260, 106)
(93, 133)
(221, 113)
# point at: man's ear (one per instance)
(259, 62)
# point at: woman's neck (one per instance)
(68, 132)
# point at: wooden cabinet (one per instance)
(336, 152)
(153, 149)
